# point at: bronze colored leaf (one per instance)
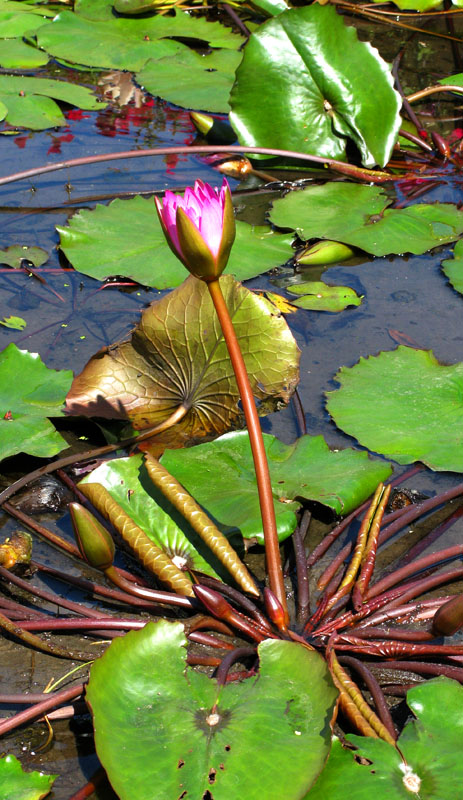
(177, 355)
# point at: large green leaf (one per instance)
(125, 238)
(428, 757)
(29, 102)
(15, 784)
(453, 267)
(220, 476)
(128, 483)
(306, 83)
(404, 404)
(162, 729)
(26, 402)
(191, 80)
(177, 355)
(127, 43)
(358, 215)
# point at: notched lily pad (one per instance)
(405, 405)
(125, 238)
(220, 476)
(295, 87)
(358, 215)
(177, 356)
(318, 296)
(20, 785)
(426, 764)
(26, 404)
(196, 737)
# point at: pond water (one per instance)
(71, 316)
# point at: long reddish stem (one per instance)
(264, 486)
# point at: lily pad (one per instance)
(16, 323)
(127, 43)
(17, 19)
(29, 101)
(125, 238)
(426, 765)
(196, 737)
(20, 785)
(26, 404)
(191, 80)
(16, 253)
(220, 476)
(16, 54)
(177, 356)
(453, 267)
(405, 405)
(358, 215)
(128, 483)
(306, 83)
(318, 296)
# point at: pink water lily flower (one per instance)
(199, 227)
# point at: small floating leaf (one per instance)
(14, 255)
(405, 405)
(318, 296)
(25, 404)
(194, 736)
(20, 785)
(177, 356)
(16, 323)
(125, 238)
(220, 476)
(426, 764)
(358, 215)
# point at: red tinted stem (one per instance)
(272, 549)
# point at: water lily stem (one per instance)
(272, 550)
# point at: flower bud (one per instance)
(324, 252)
(199, 228)
(93, 540)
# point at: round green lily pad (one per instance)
(164, 732)
(405, 405)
